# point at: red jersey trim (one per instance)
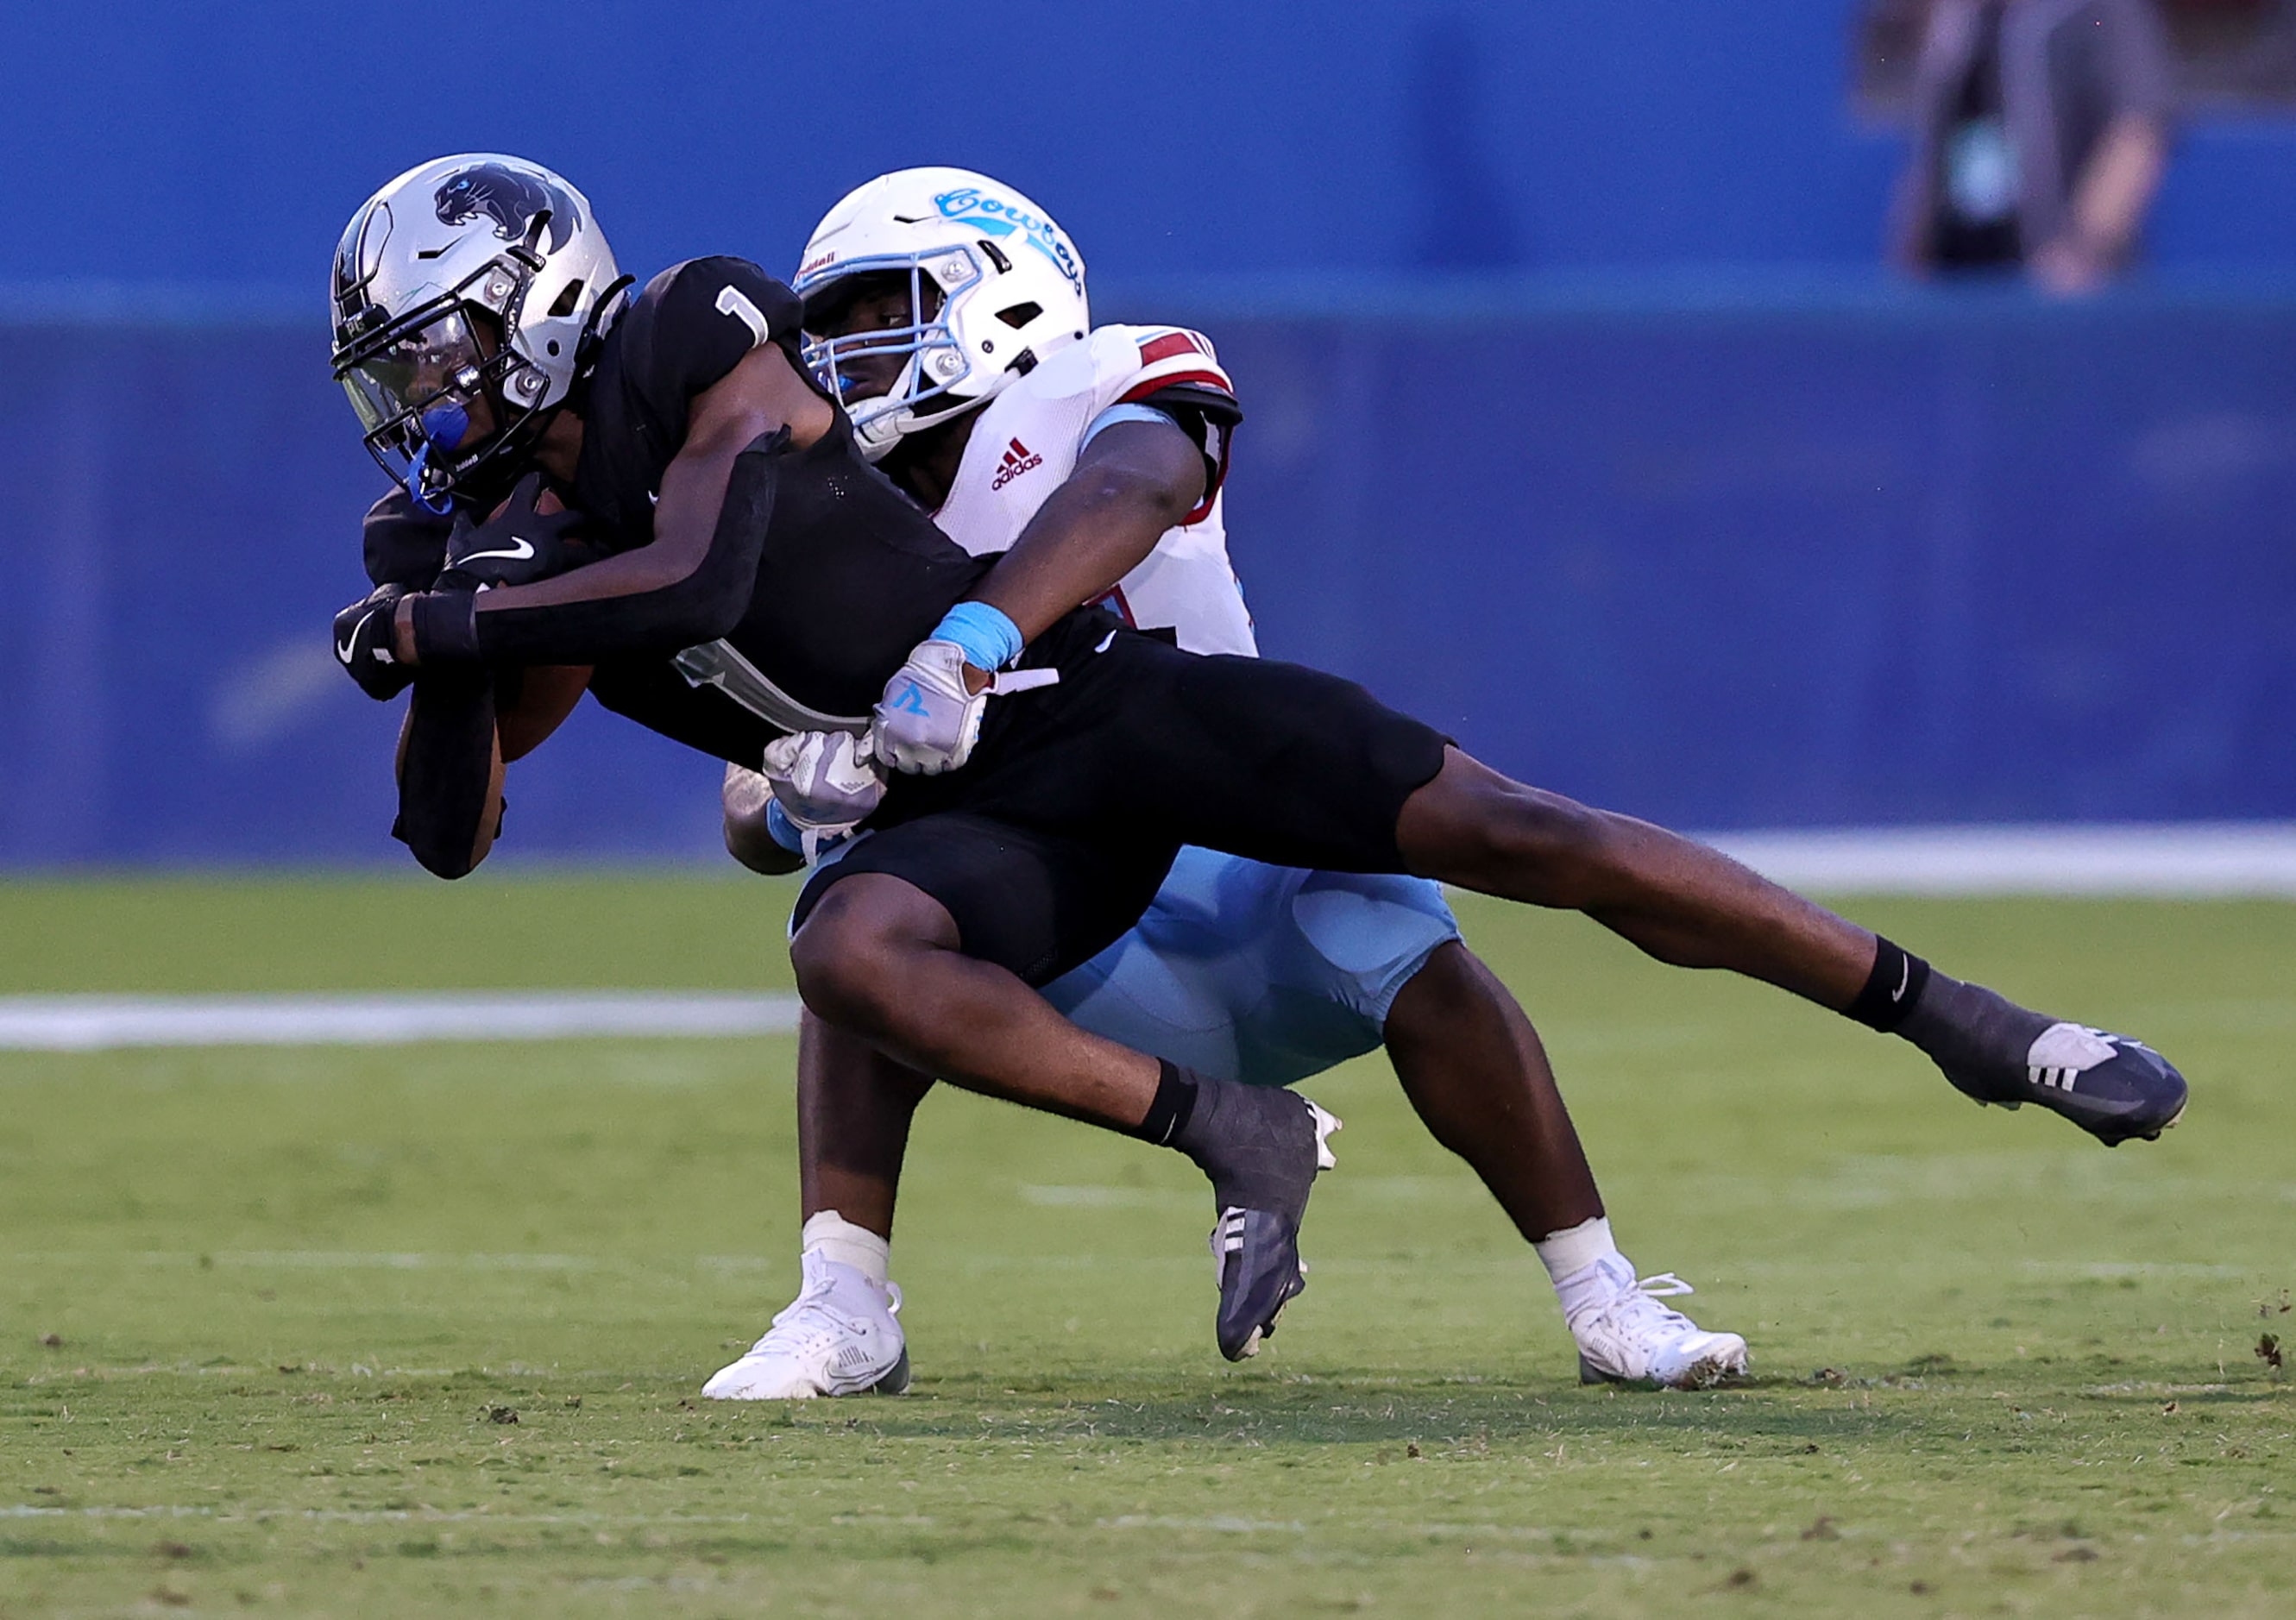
(1170, 344)
(1209, 379)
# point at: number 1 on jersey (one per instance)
(734, 302)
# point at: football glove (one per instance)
(824, 785)
(362, 643)
(929, 717)
(516, 546)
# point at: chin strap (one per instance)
(442, 507)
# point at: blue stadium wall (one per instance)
(1845, 556)
(1579, 420)
(207, 141)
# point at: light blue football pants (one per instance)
(1263, 974)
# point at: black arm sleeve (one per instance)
(404, 545)
(700, 606)
(449, 763)
(1207, 414)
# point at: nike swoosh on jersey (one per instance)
(521, 550)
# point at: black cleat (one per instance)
(1261, 1272)
(1262, 1170)
(2111, 1086)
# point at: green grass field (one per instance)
(418, 1330)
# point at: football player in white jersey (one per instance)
(950, 313)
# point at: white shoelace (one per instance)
(813, 1319)
(807, 1321)
(1639, 1306)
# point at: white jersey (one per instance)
(1026, 442)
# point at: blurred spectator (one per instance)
(2041, 131)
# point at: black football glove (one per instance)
(516, 546)
(363, 643)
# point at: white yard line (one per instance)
(99, 1023)
(373, 1516)
(2182, 860)
(2195, 860)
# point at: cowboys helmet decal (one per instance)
(509, 198)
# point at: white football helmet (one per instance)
(468, 297)
(1006, 290)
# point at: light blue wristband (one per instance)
(782, 830)
(990, 640)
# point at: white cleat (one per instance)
(838, 1337)
(1630, 1337)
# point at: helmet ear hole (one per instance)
(1020, 314)
(563, 305)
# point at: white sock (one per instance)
(1575, 1248)
(834, 1238)
(1574, 1264)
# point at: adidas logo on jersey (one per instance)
(1018, 459)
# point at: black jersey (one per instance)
(693, 324)
(822, 575)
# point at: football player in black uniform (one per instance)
(749, 562)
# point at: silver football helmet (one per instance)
(994, 286)
(468, 297)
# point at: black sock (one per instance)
(1981, 1040)
(1893, 989)
(1175, 1104)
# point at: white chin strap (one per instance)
(880, 432)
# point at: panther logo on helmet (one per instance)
(410, 307)
(510, 199)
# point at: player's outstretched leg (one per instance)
(1694, 907)
(879, 957)
(1476, 1074)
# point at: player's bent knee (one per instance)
(841, 965)
(853, 956)
(1445, 986)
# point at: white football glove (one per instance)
(825, 784)
(928, 721)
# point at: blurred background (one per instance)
(1681, 403)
